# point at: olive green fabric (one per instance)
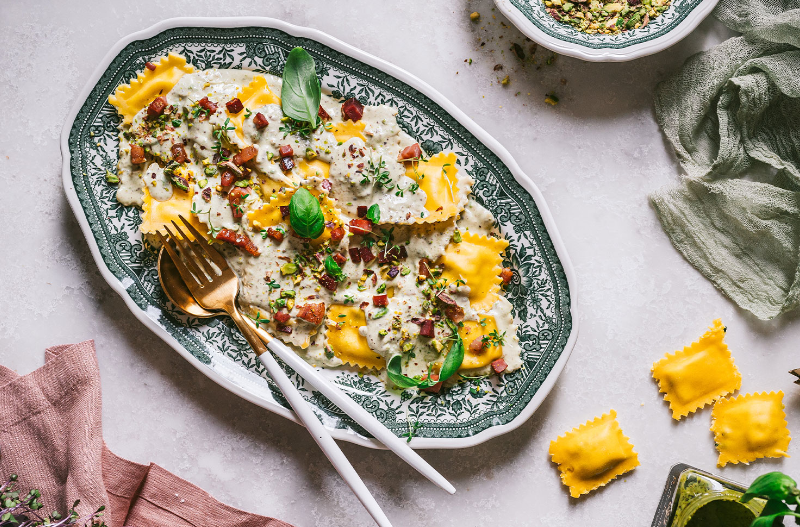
(733, 115)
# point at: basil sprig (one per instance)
(452, 362)
(333, 269)
(300, 94)
(305, 214)
(780, 491)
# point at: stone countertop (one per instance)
(595, 156)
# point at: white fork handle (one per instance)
(324, 439)
(311, 422)
(356, 411)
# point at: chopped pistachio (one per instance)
(288, 268)
(111, 178)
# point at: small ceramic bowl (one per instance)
(531, 17)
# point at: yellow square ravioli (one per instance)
(699, 374)
(593, 454)
(749, 427)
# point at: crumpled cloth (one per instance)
(732, 114)
(51, 437)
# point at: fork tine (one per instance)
(212, 253)
(188, 259)
(188, 277)
(210, 271)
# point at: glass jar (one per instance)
(694, 498)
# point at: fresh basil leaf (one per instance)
(772, 485)
(300, 94)
(333, 269)
(395, 373)
(452, 363)
(768, 521)
(374, 213)
(454, 357)
(305, 214)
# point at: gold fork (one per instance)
(215, 287)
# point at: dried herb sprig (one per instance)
(18, 510)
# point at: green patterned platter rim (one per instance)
(543, 302)
(531, 17)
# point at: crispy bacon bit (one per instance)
(352, 109)
(275, 234)
(362, 305)
(394, 271)
(366, 254)
(313, 313)
(137, 154)
(179, 153)
(248, 153)
(234, 106)
(286, 164)
(339, 258)
(282, 317)
(477, 345)
(286, 151)
(260, 121)
(239, 240)
(323, 114)
(360, 226)
(362, 211)
(205, 104)
(425, 267)
(499, 366)
(235, 199)
(337, 234)
(410, 153)
(426, 328)
(380, 300)
(454, 313)
(156, 107)
(370, 272)
(328, 282)
(326, 185)
(436, 388)
(355, 255)
(206, 194)
(506, 274)
(150, 66)
(285, 329)
(446, 299)
(227, 179)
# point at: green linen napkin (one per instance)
(733, 115)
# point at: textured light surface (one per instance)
(595, 156)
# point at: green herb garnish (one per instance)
(301, 94)
(374, 213)
(333, 269)
(305, 214)
(452, 363)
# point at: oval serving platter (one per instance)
(544, 305)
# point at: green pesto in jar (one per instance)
(722, 513)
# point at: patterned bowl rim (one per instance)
(580, 51)
(403, 76)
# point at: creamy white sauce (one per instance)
(352, 183)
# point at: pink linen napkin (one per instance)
(51, 436)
